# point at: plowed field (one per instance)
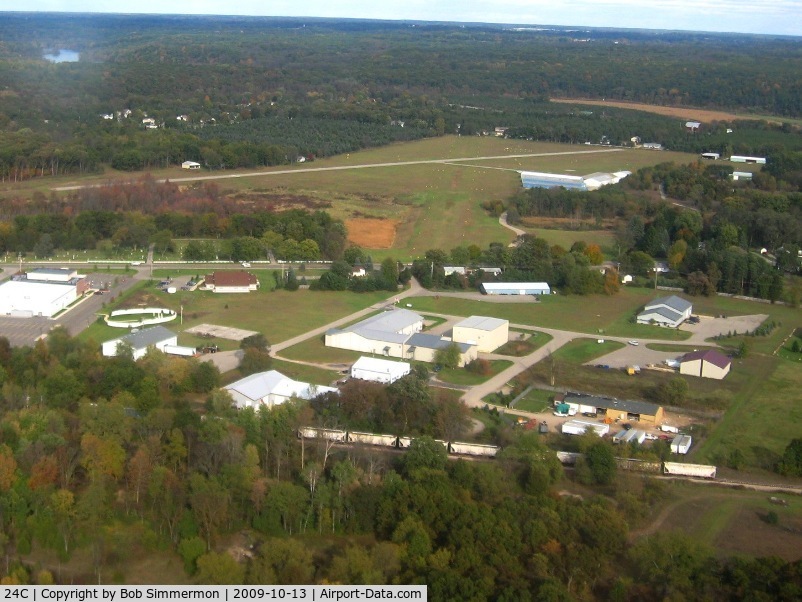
(371, 233)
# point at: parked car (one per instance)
(245, 264)
(634, 343)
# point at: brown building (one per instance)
(648, 414)
(235, 281)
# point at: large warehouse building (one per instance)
(271, 388)
(516, 288)
(379, 371)
(395, 333)
(43, 292)
(666, 311)
(488, 334)
(594, 181)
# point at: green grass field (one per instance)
(278, 314)
(610, 315)
(580, 351)
(461, 376)
(536, 400)
(524, 343)
(304, 373)
(313, 350)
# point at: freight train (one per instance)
(664, 468)
(455, 448)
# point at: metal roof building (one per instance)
(666, 311)
(157, 336)
(621, 409)
(378, 370)
(271, 388)
(516, 288)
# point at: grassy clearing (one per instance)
(536, 400)
(566, 238)
(278, 314)
(314, 350)
(305, 373)
(580, 351)
(524, 346)
(668, 347)
(764, 414)
(461, 376)
(610, 315)
(732, 521)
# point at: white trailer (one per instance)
(568, 458)
(689, 470)
(681, 444)
(372, 439)
(669, 429)
(307, 432)
(473, 449)
(630, 436)
(180, 350)
(404, 441)
(583, 409)
(579, 427)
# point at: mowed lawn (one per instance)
(608, 315)
(277, 314)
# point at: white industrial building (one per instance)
(271, 388)
(666, 311)
(157, 337)
(706, 363)
(41, 292)
(53, 275)
(488, 334)
(378, 370)
(190, 165)
(744, 159)
(536, 179)
(516, 288)
(394, 333)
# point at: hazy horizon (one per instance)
(769, 17)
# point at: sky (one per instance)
(782, 17)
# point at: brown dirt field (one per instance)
(371, 233)
(703, 115)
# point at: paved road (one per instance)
(359, 166)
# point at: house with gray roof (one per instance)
(666, 311)
(157, 337)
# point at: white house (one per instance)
(666, 311)
(378, 370)
(706, 363)
(488, 334)
(271, 388)
(190, 165)
(158, 337)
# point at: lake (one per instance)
(63, 56)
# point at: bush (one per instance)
(480, 366)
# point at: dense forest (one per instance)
(112, 460)
(246, 92)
